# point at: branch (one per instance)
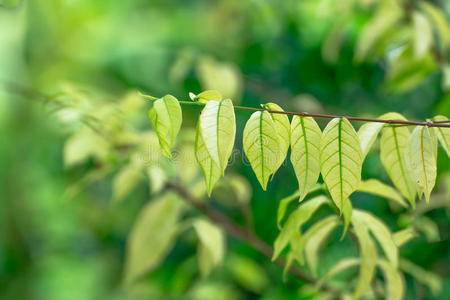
(242, 234)
(359, 119)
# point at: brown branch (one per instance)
(242, 234)
(359, 119)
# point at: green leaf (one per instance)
(388, 14)
(403, 236)
(423, 35)
(422, 154)
(305, 156)
(166, 117)
(340, 160)
(393, 144)
(314, 238)
(368, 253)
(381, 233)
(125, 181)
(428, 227)
(9, 3)
(338, 268)
(83, 145)
(347, 213)
(261, 146)
(439, 22)
(210, 95)
(295, 221)
(283, 129)
(378, 188)
(152, 236)
(367, 135)
(247, 273)
(211, 245)
(282, 207)
(210, 169)
(218, 130)
(443, 134)
(395, 283)
(429, 279)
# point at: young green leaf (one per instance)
(247, 273)
(381, 233)
(367, 135)
(210, 95)
(155, 229)
(340, 266)
(210, 169)
(439, 22)
(395, 283)
(340, 160)
(313, 239)
(282, 207)
(295, 221)
(283, 129)
(166, 117)
(305, 155)
(403, 236)
(261, 146)
(378, 188)
(125, 180)
(368, 253)
(347, 213)
(443, 134)
(394, 141)
(211, 246)
(422, 154)
(423, 35)
(218, 129)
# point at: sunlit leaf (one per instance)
(340, 160)
(152, 236)
(166, 117)
(210, 95)
(395, 283)
(381, 233)
(423, 35)
(367, 135)
(125, 180)
(83, 145)
(393, 144)
(439, 22)
(211, 245)
(422, 155)
(368, 253)
(261, 146)
(443, 134)
(429, 279)
(313, 239)
(210, 168)
(340, 266)
(283, 128)
(403, 236)
(347, 213)
(295, 221)
(388, 14)
(378, 188)
(218, 129)
(282, 207)
(305, 155)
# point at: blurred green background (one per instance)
(65, 64)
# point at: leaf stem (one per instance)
(350, 118)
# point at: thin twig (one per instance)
(359, 119)
(242, 234)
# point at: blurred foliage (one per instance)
(79, 163)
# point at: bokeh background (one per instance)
(69, 72)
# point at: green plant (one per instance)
(337, 154)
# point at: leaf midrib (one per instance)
(306, 151)
(340, 162)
